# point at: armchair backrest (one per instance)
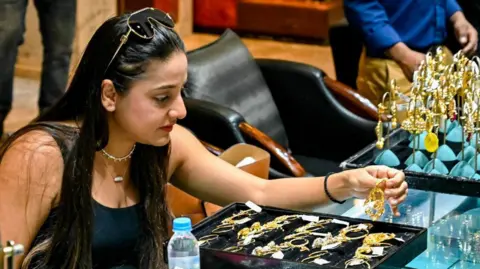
(224, 72)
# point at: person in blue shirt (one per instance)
(398, 34)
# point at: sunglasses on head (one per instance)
(141, 23)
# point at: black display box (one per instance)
(214, 257)
(398, 143)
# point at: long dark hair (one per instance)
(68, 244)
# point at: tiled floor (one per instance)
(26, 90)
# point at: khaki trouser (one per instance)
(374, 76)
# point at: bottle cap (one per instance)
(182, 225)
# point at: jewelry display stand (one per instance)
(277, 238)
(420, 180)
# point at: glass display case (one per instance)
(453, 223)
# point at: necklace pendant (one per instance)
(118, 179)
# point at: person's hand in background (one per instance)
(466, 34)
(408, 59)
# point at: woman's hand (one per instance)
(362, 180)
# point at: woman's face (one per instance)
(153, 104)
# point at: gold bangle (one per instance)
(310, 259)
(286, 218)
(233, 220)
(302, 246)
(221, 230)
(233, 249)
(318, 253)
(208, 238)
(315, 255)
(377, 238)
(299, 235)
(360, 261)
(355, 229)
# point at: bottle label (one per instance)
(192, 262)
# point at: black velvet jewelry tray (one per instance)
(213, 256)
(398, 143)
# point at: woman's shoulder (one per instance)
(32, 159)
(39, 140)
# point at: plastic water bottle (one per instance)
(183, 249)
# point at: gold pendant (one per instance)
(431, 142)
(375, 202)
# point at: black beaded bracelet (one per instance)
(326, 190)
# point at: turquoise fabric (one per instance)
(419, 141)
(468, 153)
(455, 135)
(388, 158)
(471, 162)
(445, 154)
(439, 166)
(414, 168)
(462, 169)
(420, 159)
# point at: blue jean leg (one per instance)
(12, 27)
(57, 25)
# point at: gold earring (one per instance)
(379, 127)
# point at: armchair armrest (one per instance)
(212, 123)
(317, 124)
(274, 148)
(352, 99)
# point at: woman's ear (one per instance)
(109, 95)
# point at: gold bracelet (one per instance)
(378, 238)
(355, 229)
(286, 218)
(223, 229)
(318, 253)
(360, 261)
(207, 239)
(234, 249)
(315, 255)
(311, 258)
(301, 246)
(297, 235)
(233, 219)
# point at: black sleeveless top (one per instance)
(115, 230)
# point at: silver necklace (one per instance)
(118, 159)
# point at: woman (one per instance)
(84, 185)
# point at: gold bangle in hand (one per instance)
(375, 202)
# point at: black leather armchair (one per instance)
(284, 107)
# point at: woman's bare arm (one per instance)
(209, 178)
(30, 179)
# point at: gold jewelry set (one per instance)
(364, 254)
